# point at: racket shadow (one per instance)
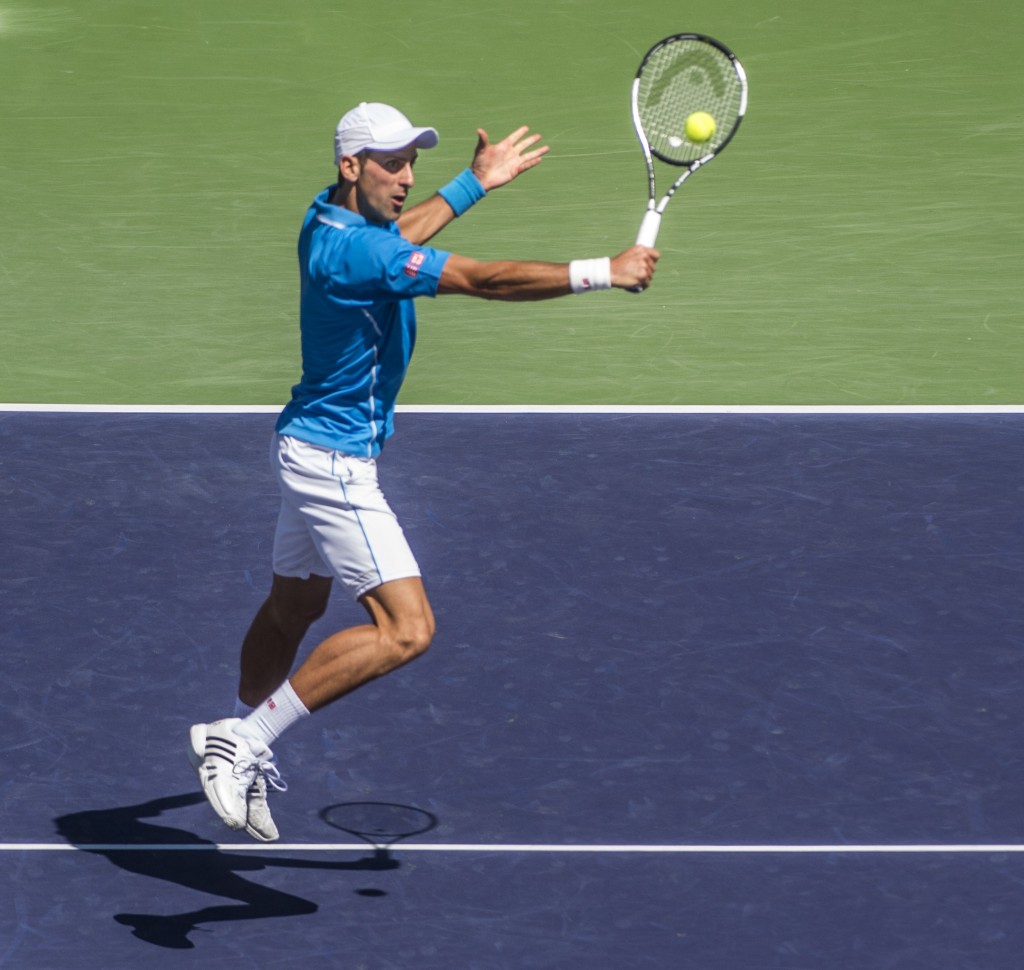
(379, 824)
(155, 851)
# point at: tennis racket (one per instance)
(679, 77)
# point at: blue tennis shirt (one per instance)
(358, 325)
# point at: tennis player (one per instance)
(363, 261)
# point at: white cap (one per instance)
(378, 127)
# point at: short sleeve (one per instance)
(372, 264)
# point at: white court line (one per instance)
(710, 409)
(540, 408)
(144, 408)
(490, 847)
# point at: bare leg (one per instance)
(269, 648)
(401, 629)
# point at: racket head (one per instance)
(678, 76)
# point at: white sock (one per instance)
(274, 716)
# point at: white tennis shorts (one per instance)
(334, 519)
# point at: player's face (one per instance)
(385, 179)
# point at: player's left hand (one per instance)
(497, 164)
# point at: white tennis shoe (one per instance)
(235, 772)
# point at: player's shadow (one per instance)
(180, 857)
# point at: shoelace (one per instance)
(251, 770)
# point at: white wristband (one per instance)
(590, 274)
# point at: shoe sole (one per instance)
(197, 745)
(197, 757)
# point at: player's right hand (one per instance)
(634, 268)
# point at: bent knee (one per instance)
(412, 639)
(416, 640)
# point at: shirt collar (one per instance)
(339, 216)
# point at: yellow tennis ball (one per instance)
(700, 126)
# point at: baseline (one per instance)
(517, 848)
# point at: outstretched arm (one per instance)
(493, 165)
(520, 281)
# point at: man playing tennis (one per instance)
(363, 262)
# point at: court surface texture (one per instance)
(710, 690)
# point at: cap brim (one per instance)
(420, 137)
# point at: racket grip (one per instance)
(648, 234)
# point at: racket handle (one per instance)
(648, 234)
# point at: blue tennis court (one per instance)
(734, 690)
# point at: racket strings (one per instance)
(679, 79)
